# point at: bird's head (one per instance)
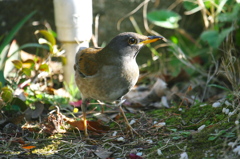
(129, 43)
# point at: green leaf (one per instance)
(29, 63)
(229, 17)
(189, 5)
(176, 137)
(221, 5)
(2, 79)
(176, 66)
(174, 39)
(17, 64)
(218, 86)
(47, 35)
(32, 45)
(26, 71)
(44, 67)
(208, 4)
(28, 46)
(21, 104)
(174, 130)
(7, 94)
(211, 138)
(213, 38)
(164, 18)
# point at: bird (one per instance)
(109, 73)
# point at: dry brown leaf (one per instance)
(28, 147)
(92, 125)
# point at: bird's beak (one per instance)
(151, 39)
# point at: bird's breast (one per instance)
(111, 82)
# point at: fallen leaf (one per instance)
(18, 140)
(28, 147)
(134, 156)
(92, 125)
(76, 104)
(54, 123)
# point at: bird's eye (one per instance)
(132, 40)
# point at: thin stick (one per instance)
(173, 5)
(130, 13)
(204, 13)
(145, 22)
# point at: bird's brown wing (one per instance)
(86, 62)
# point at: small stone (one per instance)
(149, 141)
(121, 139)
(201, 128)
(227, 103)
(226, 111)
(132, 121)
(159, 152)
(139, 153)
(216, 104)
(184, 155)
(232, 144)
(114, 133)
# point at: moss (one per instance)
(181, 129)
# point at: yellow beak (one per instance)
(151, 39)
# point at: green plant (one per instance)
(72, 90)
(164, 18)
(40, 66)
(7, 40)
(6, 96)
(220, 19)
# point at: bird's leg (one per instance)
(125, 118)
(84, 109)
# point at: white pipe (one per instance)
(73, 20)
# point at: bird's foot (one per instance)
(132, 131)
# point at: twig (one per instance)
(130, 13)
(135, 25)
(173, 5)
(209, 78)
(145, 22)
(204, 13)
(193, 10)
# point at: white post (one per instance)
(73, 20)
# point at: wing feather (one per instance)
(86, 62)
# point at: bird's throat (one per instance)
(135, 55)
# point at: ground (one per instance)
(163, 133)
